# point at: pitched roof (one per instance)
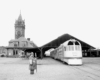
(22, 39)
(20, 17)
(12, 40)
(66, 37)
(32, 44)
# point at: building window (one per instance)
(24, 44)
(15, 45)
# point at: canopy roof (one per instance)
(65, 37)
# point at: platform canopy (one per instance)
(61, 39)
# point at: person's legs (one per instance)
(31, 71)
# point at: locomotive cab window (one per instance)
(77, 47)
(76, 43)
(70, 43)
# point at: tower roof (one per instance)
(20, 21)
(20, 17)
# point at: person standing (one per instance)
(32, 63)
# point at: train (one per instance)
(47, 53)
(69, 52)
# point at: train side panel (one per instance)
(69, 53)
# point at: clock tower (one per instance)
(19, 27)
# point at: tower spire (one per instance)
(20, 16)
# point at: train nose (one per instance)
(74, 54)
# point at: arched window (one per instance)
(76, 43)
(70, 46)
(70, 43)
(77, 47)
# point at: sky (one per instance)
(46, 20)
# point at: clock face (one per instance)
(18, 34)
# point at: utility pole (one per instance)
(41, 53)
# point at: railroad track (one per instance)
(92, 67)
(87, 69)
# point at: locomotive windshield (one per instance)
(70, 46)
(76, 43)
(77, 47)
(70, 43)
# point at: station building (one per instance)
(18, 45)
